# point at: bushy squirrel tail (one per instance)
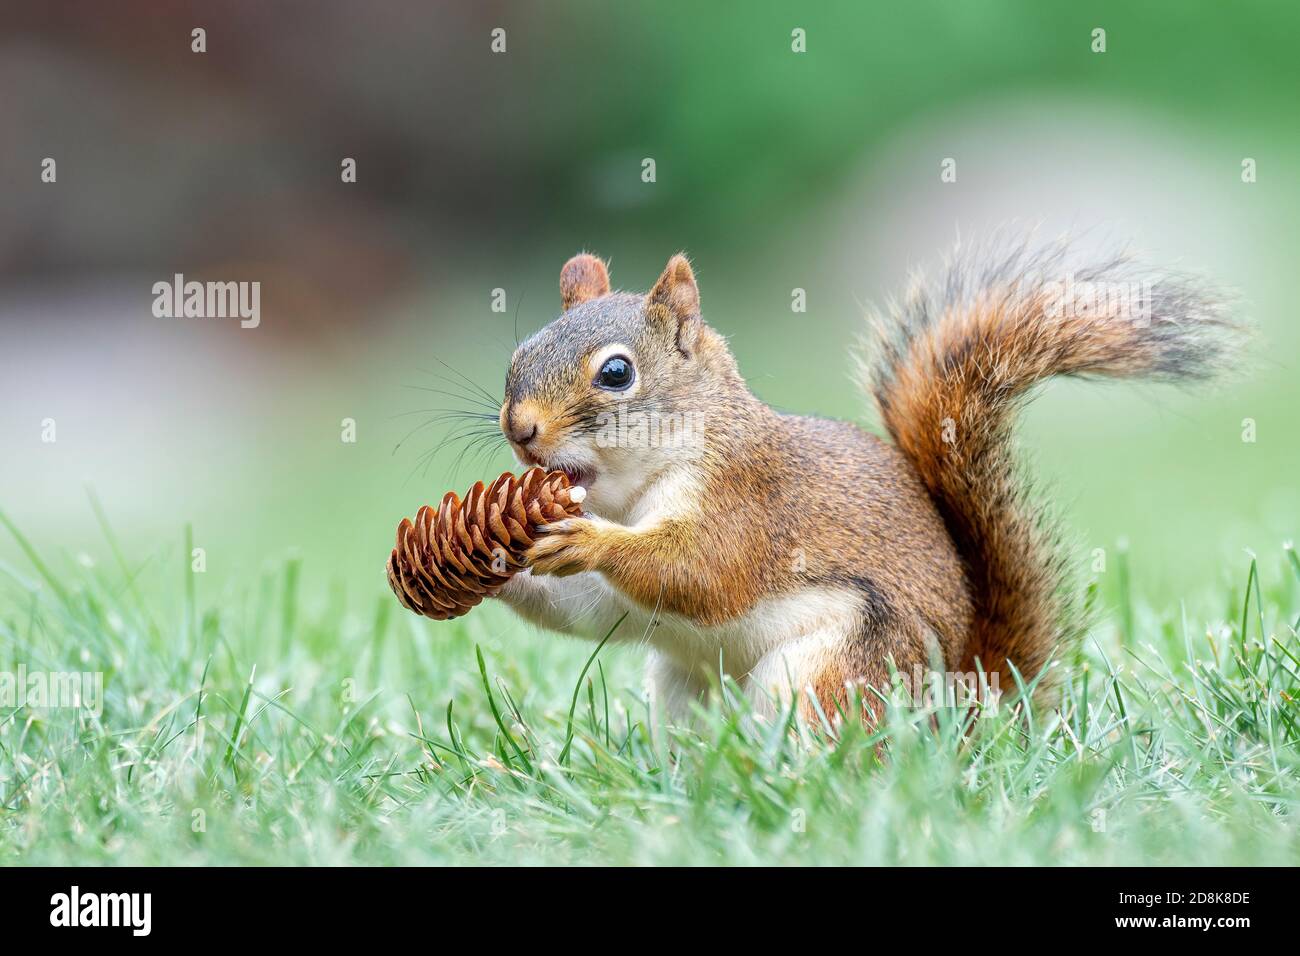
(950, 365)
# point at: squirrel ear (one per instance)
(583, 277)
(677, 294)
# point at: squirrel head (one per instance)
(617, 388)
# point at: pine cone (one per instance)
(448, 561)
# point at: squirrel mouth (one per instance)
(579, 477)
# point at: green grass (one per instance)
(259, 729)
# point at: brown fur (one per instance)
(583, 277)
(933, 534)
(955, 362)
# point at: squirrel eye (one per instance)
(615, 374)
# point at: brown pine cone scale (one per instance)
(447, 561)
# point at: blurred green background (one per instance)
(477, 171)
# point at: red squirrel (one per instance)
(801, 555)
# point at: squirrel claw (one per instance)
(565, 547)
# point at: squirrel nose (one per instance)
(521, 433)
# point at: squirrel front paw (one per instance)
(567, 547)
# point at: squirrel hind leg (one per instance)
(836, 671)
(672, 690)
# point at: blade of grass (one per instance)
(573, 705)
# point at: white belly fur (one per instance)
(744, 641)
(805, 623)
